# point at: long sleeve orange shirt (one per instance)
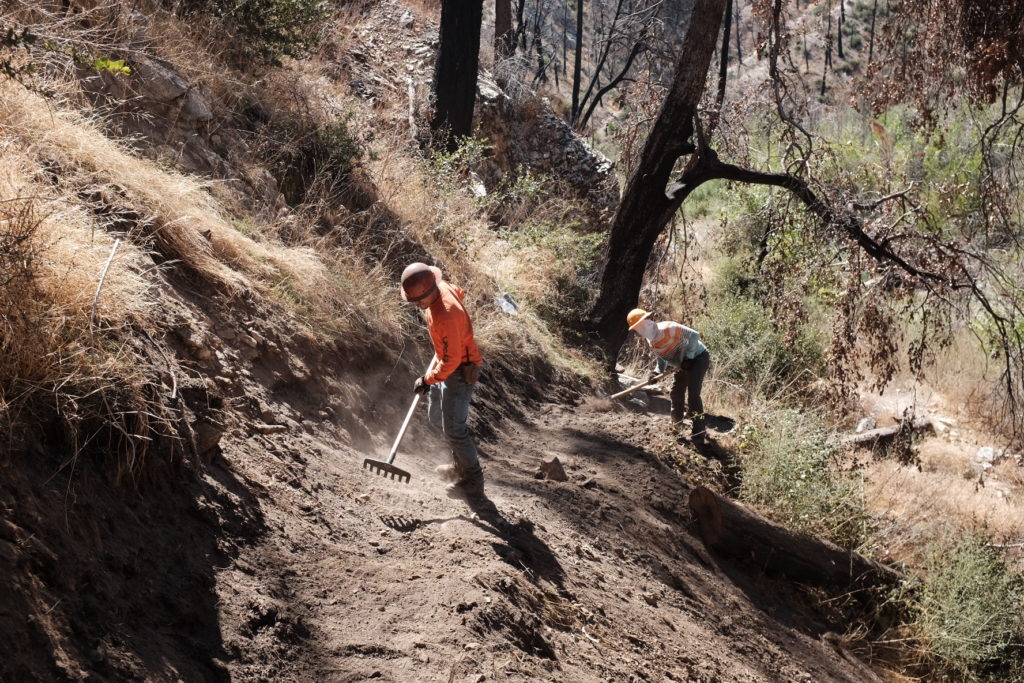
(451, 331)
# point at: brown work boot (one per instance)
(448, 472)
(465, 489)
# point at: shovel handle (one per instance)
(637, 387)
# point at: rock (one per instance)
(207, 436)
(985, 454)
(651, 599)
(270, 429)
(553, 470)
(157, 80)
(866, 423)
(196, 108)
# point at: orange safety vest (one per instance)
(667, 339)
(451, 331)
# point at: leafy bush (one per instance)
(969, 613)
(268, 29)
(570, 257)
(747, 346)
(313, 161)
(786, 465)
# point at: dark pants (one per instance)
(688, 381)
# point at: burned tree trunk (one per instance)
(645, 209)
(577, 67)
(504, 38)
(455, 71)
(730, 529)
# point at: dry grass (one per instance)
(450, 226)
(916, 505)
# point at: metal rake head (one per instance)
(385, 469)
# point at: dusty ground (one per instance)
(594, 578)
(288, 561)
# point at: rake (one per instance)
(384, 467)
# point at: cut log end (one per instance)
(704, 506)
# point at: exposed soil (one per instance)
(285, 560)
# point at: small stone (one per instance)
(553, 470)
(651, 599)
(865, 424)
(207, 436)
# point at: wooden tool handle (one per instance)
(640, 386)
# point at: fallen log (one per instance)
(730, 529)
(883, 437)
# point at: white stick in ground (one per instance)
(103, 278)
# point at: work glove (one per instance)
(421, 387)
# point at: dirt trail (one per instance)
(356, 577)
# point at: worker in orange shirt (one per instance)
(453, 372)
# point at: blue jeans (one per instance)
(448, 410)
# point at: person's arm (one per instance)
(448, 349)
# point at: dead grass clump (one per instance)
(336, 295)
(174, 217)
(50, 358)
(915, 502)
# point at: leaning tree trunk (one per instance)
(455, 71)
(645, 209)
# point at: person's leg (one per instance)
(698, 369)
(455, 414)
(678, 395)
(434, 405)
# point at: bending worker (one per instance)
(678, 348)
(452, 374)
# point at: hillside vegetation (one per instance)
(205, 207)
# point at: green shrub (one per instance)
(571, 256)
(312, 161)
(786, 465)
(267, 29)
(969, 613)
(749, 347)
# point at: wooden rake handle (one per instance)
(408, 418)
(643, 384)
(405, 425)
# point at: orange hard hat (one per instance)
(419, 281)
(637, 316)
